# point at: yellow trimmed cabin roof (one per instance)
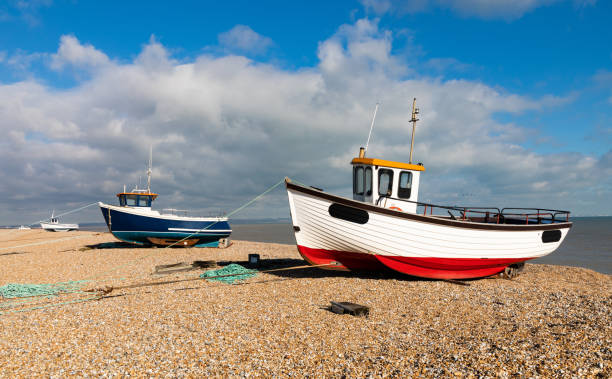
(153, 195)
(384, 163)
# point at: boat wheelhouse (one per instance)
(136, 198)
(389, 184)
(384, 226)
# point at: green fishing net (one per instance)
(238, 272)
(14, 290)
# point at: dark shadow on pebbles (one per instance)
(114, 245)
(13, 253)
(127, 245)
(316, 272)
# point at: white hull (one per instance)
(58, 227)
(415, 244)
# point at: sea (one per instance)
(588, 244)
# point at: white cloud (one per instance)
(25, 5)
(72, 53)
(603, 78)
(377, 6)
(27, 9)
(155, 57)
(584, 3)
(21, 61)
(243, 39)
(504, 9)
(485, 9)
(225, 128)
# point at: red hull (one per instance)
(347, 261)
(433, 268)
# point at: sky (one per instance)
(515, 99)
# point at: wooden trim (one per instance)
(424, 218)
(382, 162)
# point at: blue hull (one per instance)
(138, 229)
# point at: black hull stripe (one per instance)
(424, 218)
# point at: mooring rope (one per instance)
(66, 213)
(108, 289)
(96, 277)
(102, 292)
(233, 212)
(45, 242)
(192, 234)
(50, 305)
(59, 215)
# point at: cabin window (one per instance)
(405, 185)
(131, 200)
(122, 200)
(144, 201)
(385, 182)
(368, 181)
(358, 181)
(362, 181)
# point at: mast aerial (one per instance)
(415, 112)
(371, 127)
(149, 169)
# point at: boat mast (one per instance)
(371, 127)
(149, 169)
(415, 112)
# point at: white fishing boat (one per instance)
(23, 227)
(53, 225)
(385, 226)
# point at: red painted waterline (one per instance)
(434, 268)
(346, 260)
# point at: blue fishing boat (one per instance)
(134, 221)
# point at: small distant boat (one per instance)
(135, 222)
(385, 226)
(55, 226)
(23, 227)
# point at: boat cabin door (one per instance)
(362, 183)
(397, 189)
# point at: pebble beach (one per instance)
(551, 321)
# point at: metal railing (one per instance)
(540, 215)
(174, 212)
(490, 214)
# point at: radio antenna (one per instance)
(371, 127)
(415, 112)
(149, 169)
